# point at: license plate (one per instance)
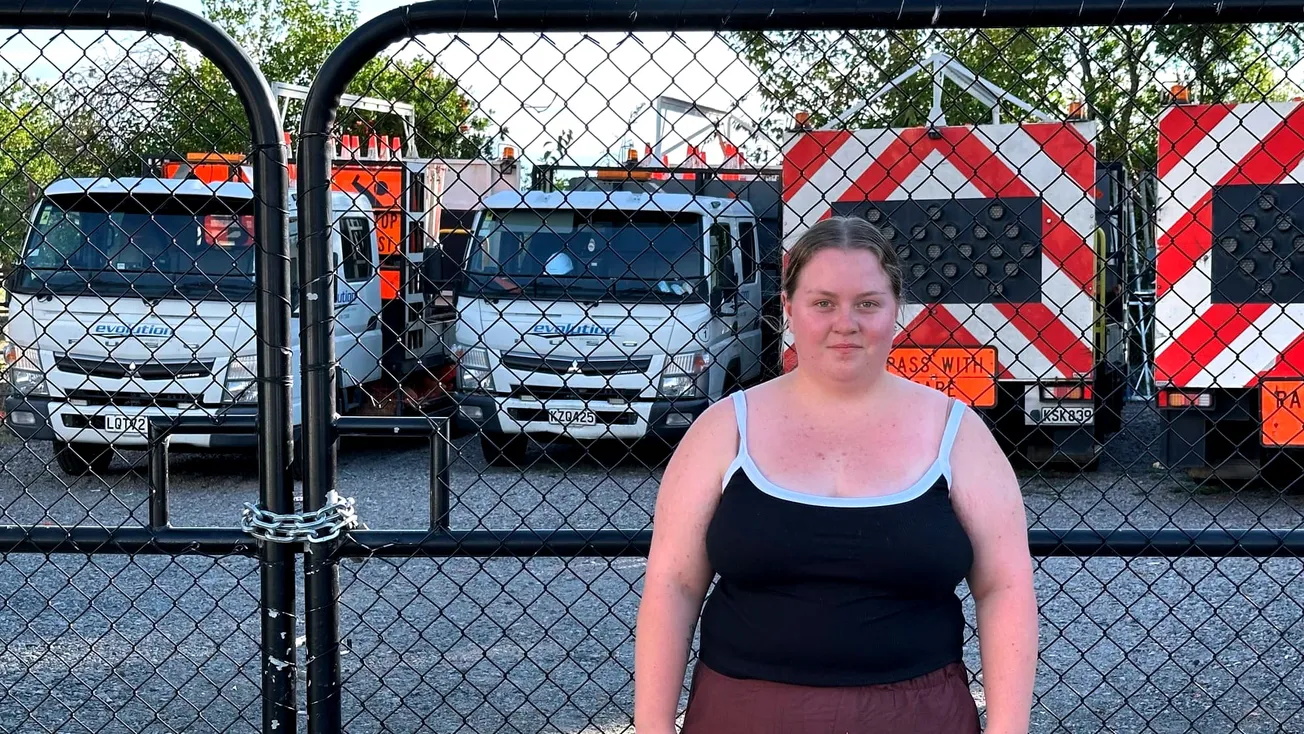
(965, 373)
(1281, 403)
(126, 423)
(1067, 415)
(572, 417)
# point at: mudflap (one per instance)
(1182, 439)
(1222, 444)
(1068, 448)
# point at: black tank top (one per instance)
(830, 591)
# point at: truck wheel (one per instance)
(79, 458)
(504, 450)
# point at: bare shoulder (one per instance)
(983, 481)
(705, 452)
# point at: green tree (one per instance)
(290, 40)
(827, 73)
(1119, 71)
(26, 166)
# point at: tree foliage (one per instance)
(1122, 74)
(25, 168)
(130, 100)
(290, 40)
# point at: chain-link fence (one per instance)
(529, 248)
(141, 304)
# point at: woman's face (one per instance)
(842, 314)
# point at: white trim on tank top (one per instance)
(941, 467)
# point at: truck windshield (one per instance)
(606, 254)
(142, 245)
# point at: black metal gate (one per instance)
(466, 567)
(97, 635)
(519, 690)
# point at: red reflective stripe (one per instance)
(1218, 327)
(807, 156)
(985, 171)
(1050, 336)
(1290, 363)
(1188, 240)
(893, 166)
(789, 359)
(934, 326)
(1064, 144)
(1068, 249)
(1275, 156)
(1183, 128)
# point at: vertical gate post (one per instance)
(270, 181)
(316, 313)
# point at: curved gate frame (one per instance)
(270, 183)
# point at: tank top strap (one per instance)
(953, 419)
(740, 415)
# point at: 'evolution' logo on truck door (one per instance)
(571, 330)
(122, 331)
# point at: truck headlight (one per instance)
(685, 375)
(241, 380)
(24, 375)
(473, 373)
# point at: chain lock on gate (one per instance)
(318, 526)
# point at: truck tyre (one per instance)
(77, 459)
(504, 450)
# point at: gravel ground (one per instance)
(148, 644)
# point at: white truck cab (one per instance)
(604, 315)
(135, 297)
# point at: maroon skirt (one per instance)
(934, 703)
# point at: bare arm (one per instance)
(990, 505)
(678, 573)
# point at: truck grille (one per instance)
(587, 367)
(126, 399)
(113, 369)
(585, 394)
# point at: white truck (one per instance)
(134, 297)
(602, 313)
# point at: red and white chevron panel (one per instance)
(1199, 343)
(1047, 339)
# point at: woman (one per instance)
(841, 506)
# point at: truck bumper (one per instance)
(1043, 431)
(29, 418)
(665, 419)
(43, 419)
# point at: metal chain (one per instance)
(317, 526)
